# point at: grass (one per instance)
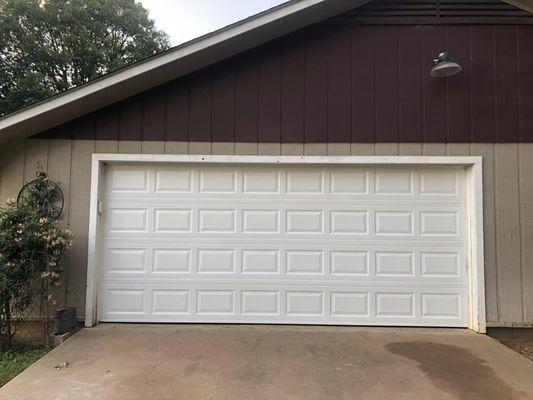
(14, 361)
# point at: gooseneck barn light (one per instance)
(444, 66)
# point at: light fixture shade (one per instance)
(444, 66)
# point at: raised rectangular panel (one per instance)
(439, 223)
(260, 302)
(217, 221)
(394, 223)
(348, 304)
(349, 222)
(173, 220)
(218, 180)
(305, 303)
(260, 261)
(441, 305)
(122, 220)
(440, 264)
(172, 260)
(395, 304)
(129, 180)
(393, 182)
(438, 182)
(349, 263)
(305, 221)
(216, 261)
(124, 301)
(305, 262)
(260, 181)
(169, 302)
(394, 263)
(349, 182)
(260, 221)
(215, 302)
(126, 260)
(305, 182)
(174, 180)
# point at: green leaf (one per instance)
(49, 46)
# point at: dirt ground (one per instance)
(522, 346)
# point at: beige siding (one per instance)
(245, 149)
(508, 194)
(222, 148)
(59, 170)
(386, 149)
(489, 230)
(80, 181)
(12, 170)
(269, 149)
(507, 223)
(292, 149)
(526, 226)
(410, 149)
(339, 149)
(178, 147)
(129, 147)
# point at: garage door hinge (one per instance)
(100, 207)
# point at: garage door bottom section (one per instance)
(333, 244)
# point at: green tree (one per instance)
(49, 46)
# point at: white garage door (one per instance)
(284, 244)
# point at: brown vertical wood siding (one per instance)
(340, 83)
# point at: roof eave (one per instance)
(170, 65)
(526, 5)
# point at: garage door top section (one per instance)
(284, 244)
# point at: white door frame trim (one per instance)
(474, 197)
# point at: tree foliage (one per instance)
(31, 249)
(49, 46)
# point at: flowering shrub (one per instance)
(31, 248)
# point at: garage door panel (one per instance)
(128, 179)
(190, 302)
(414, 223)
(171, 261)
(218, 180)
(284, 244)
(334, 262)
(262, 181)
(440, 183)
(344, 182)
(173, 180)
(389, 182)
(172, 220)
(171, 302)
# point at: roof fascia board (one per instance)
(526, 5)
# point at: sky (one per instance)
(184, 20)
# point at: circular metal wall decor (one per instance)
(46, 195)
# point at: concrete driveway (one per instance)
(191, 362)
